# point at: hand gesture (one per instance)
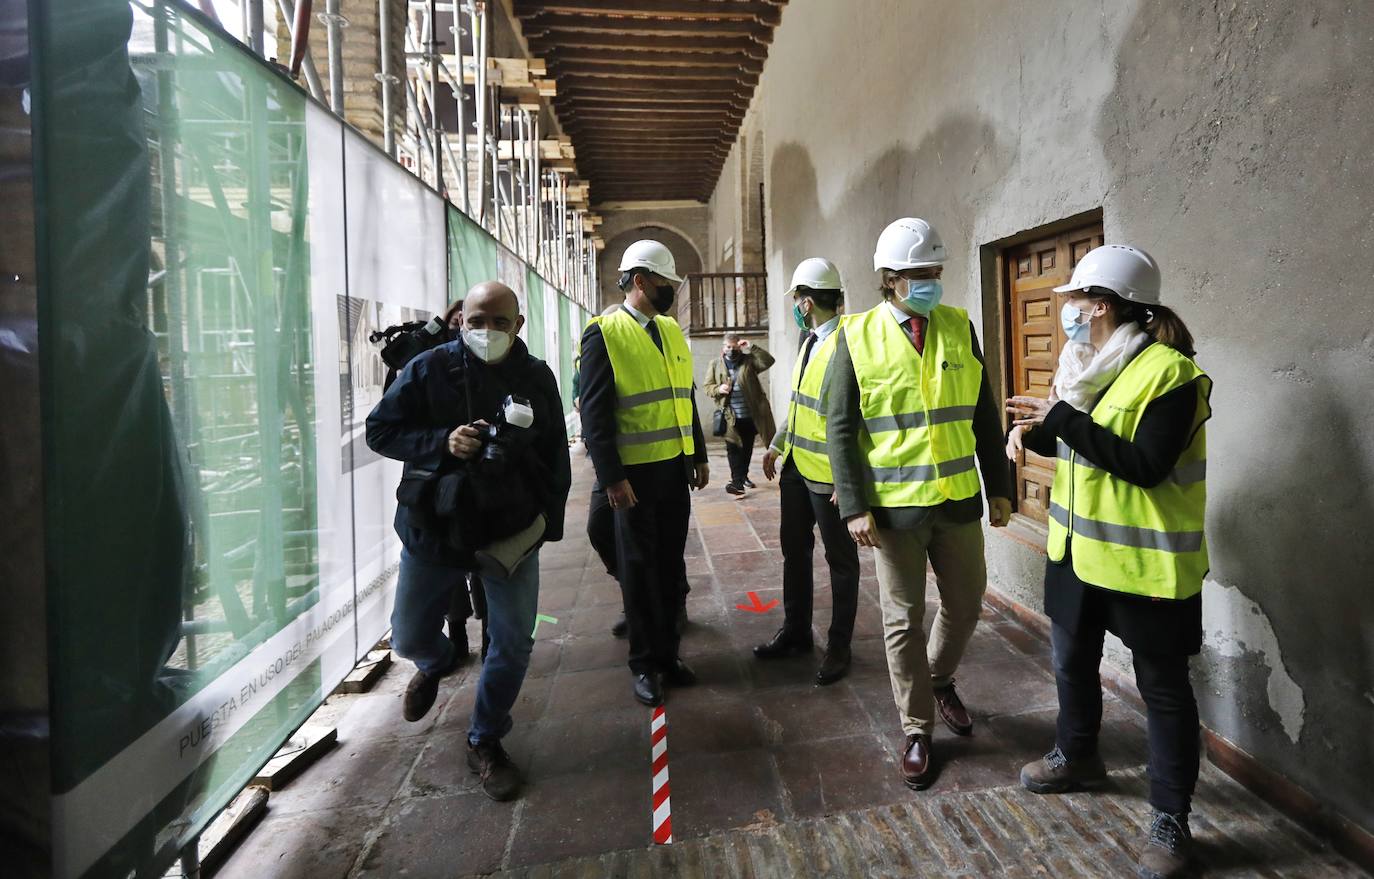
(1028, 411)
(999, 511)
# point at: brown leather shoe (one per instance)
(952, 711)
(916, 763)
(423, 689)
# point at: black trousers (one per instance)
(802, 511)
(740, 455)
(1171, 710)
(650, 539)
(601, 535)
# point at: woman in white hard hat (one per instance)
(1126, 548)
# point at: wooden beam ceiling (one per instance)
(652, 92)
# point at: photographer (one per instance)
(480, 473)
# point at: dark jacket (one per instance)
(415, 416)
(598, 418)
(844, 420)
(1152, 625)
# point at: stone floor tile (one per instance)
(585, 814)
(828, 777)
(302, 845)
(713, 726)
(697, 781)
(804, 712)
(439, 837)
(355, 772)
(590, 742)
(594, 651)
(589, 691)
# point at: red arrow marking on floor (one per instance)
(757, 606)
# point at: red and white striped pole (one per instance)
(663, 812)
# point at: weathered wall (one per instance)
(1231, 141)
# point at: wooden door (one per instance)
(1035, 340)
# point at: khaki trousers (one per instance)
(956, 555)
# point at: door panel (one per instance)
(1033, 270)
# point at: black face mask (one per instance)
(662, 298)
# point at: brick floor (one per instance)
(771, 776)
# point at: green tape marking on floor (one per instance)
(541, 618)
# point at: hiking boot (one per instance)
(1056, 774)
(1168, 848)
(500, 778)
(423, 689)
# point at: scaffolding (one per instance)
(478, 129)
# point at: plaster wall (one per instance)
(1231, 141)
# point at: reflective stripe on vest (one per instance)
(917, 408)
(1127, 538)
(804, 437)
(653, 388)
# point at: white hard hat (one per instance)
(815, 274)
(908, 243)
(650, 254)
(1129, 272)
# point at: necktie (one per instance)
(806, 349)
(653, 334)
(917, 330)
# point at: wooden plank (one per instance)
(613, 42)
(556, 25)
(575, 80)
(218, 841)
(676, 77)
(745, 10)
(366, 673)
(304, 748)
(665, 58)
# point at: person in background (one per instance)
(733, 382)
(639, 420)
(807, 487)
(909, 410)
(1127, 552)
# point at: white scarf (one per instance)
(1085, 372)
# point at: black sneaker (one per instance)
(621, 627)
(500, 779)
(734, 488)
(749, 483)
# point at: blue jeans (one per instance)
(417, 633)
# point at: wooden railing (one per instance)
(718, 303)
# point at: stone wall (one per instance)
(1229, 140)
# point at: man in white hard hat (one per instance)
(909, 410)
(807, 487)
(640, 424)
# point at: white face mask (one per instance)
(489, 346)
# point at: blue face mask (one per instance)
(922, 296)
(1069, 317)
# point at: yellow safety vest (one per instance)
(917, 408)
(653, 388)
(1143, 541)
(803, 436)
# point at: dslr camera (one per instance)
(402, 343)
(506, 434)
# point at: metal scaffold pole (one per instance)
(436, 133)
(460, 98)
(537, 200)
(334, 24)
(312, 76)
(387, 78)
(479, 50)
